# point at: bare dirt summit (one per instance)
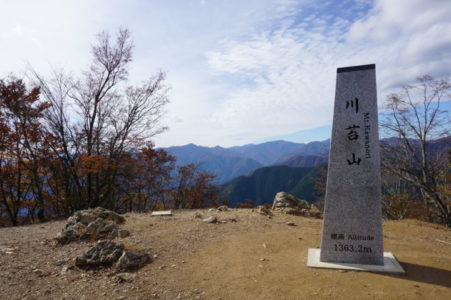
(244, 255)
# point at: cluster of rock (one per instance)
(102, 225)
(107, 253)
(289, 204)
(92, 224)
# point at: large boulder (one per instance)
(95, 224)
(291, 205)
(107, 253)
(284, 201)
(104, 253)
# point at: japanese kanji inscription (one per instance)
(352, 229)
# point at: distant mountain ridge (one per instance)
(270, 153)
(228, 163)
(224, 163)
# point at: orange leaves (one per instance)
(93, 163)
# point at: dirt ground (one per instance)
(255, 257)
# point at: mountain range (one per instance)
(228, 163)
(256, 172)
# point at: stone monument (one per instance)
(352, 235)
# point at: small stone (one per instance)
(125, 277)
(263, 259)
(38, 272)
(155, 256)
(223, 208)
(264, 245)
(66, 269)
(197, 215)
(211, 219)
(291, 224)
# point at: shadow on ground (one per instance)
(426, 274)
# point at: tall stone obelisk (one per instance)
(352, 228)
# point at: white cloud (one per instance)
(293, 70)
(239, 71)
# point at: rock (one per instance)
(66, 269)
(96, 223)
(264, 211)
(109, 230)
(284, 200)
(211, 209)
(211, 219)
(315, 212)
(66, 236)
(291, 205)
(72, 220)
(223, 208)
(89, 215)
(38, 272)
(104, 253)
(295, 211)
(85, 217)
(123, 233)
(291, 224)
(95, 226)
(132, 260)
(197, 215)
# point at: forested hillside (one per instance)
(261, 186)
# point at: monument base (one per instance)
(391, 265)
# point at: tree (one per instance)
(22, 149)
(193, 188)
(145, 179)
(399, 198)
(107, 120)
(416, 119)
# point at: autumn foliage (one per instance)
(72, 143)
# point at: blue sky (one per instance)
(239, 71)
